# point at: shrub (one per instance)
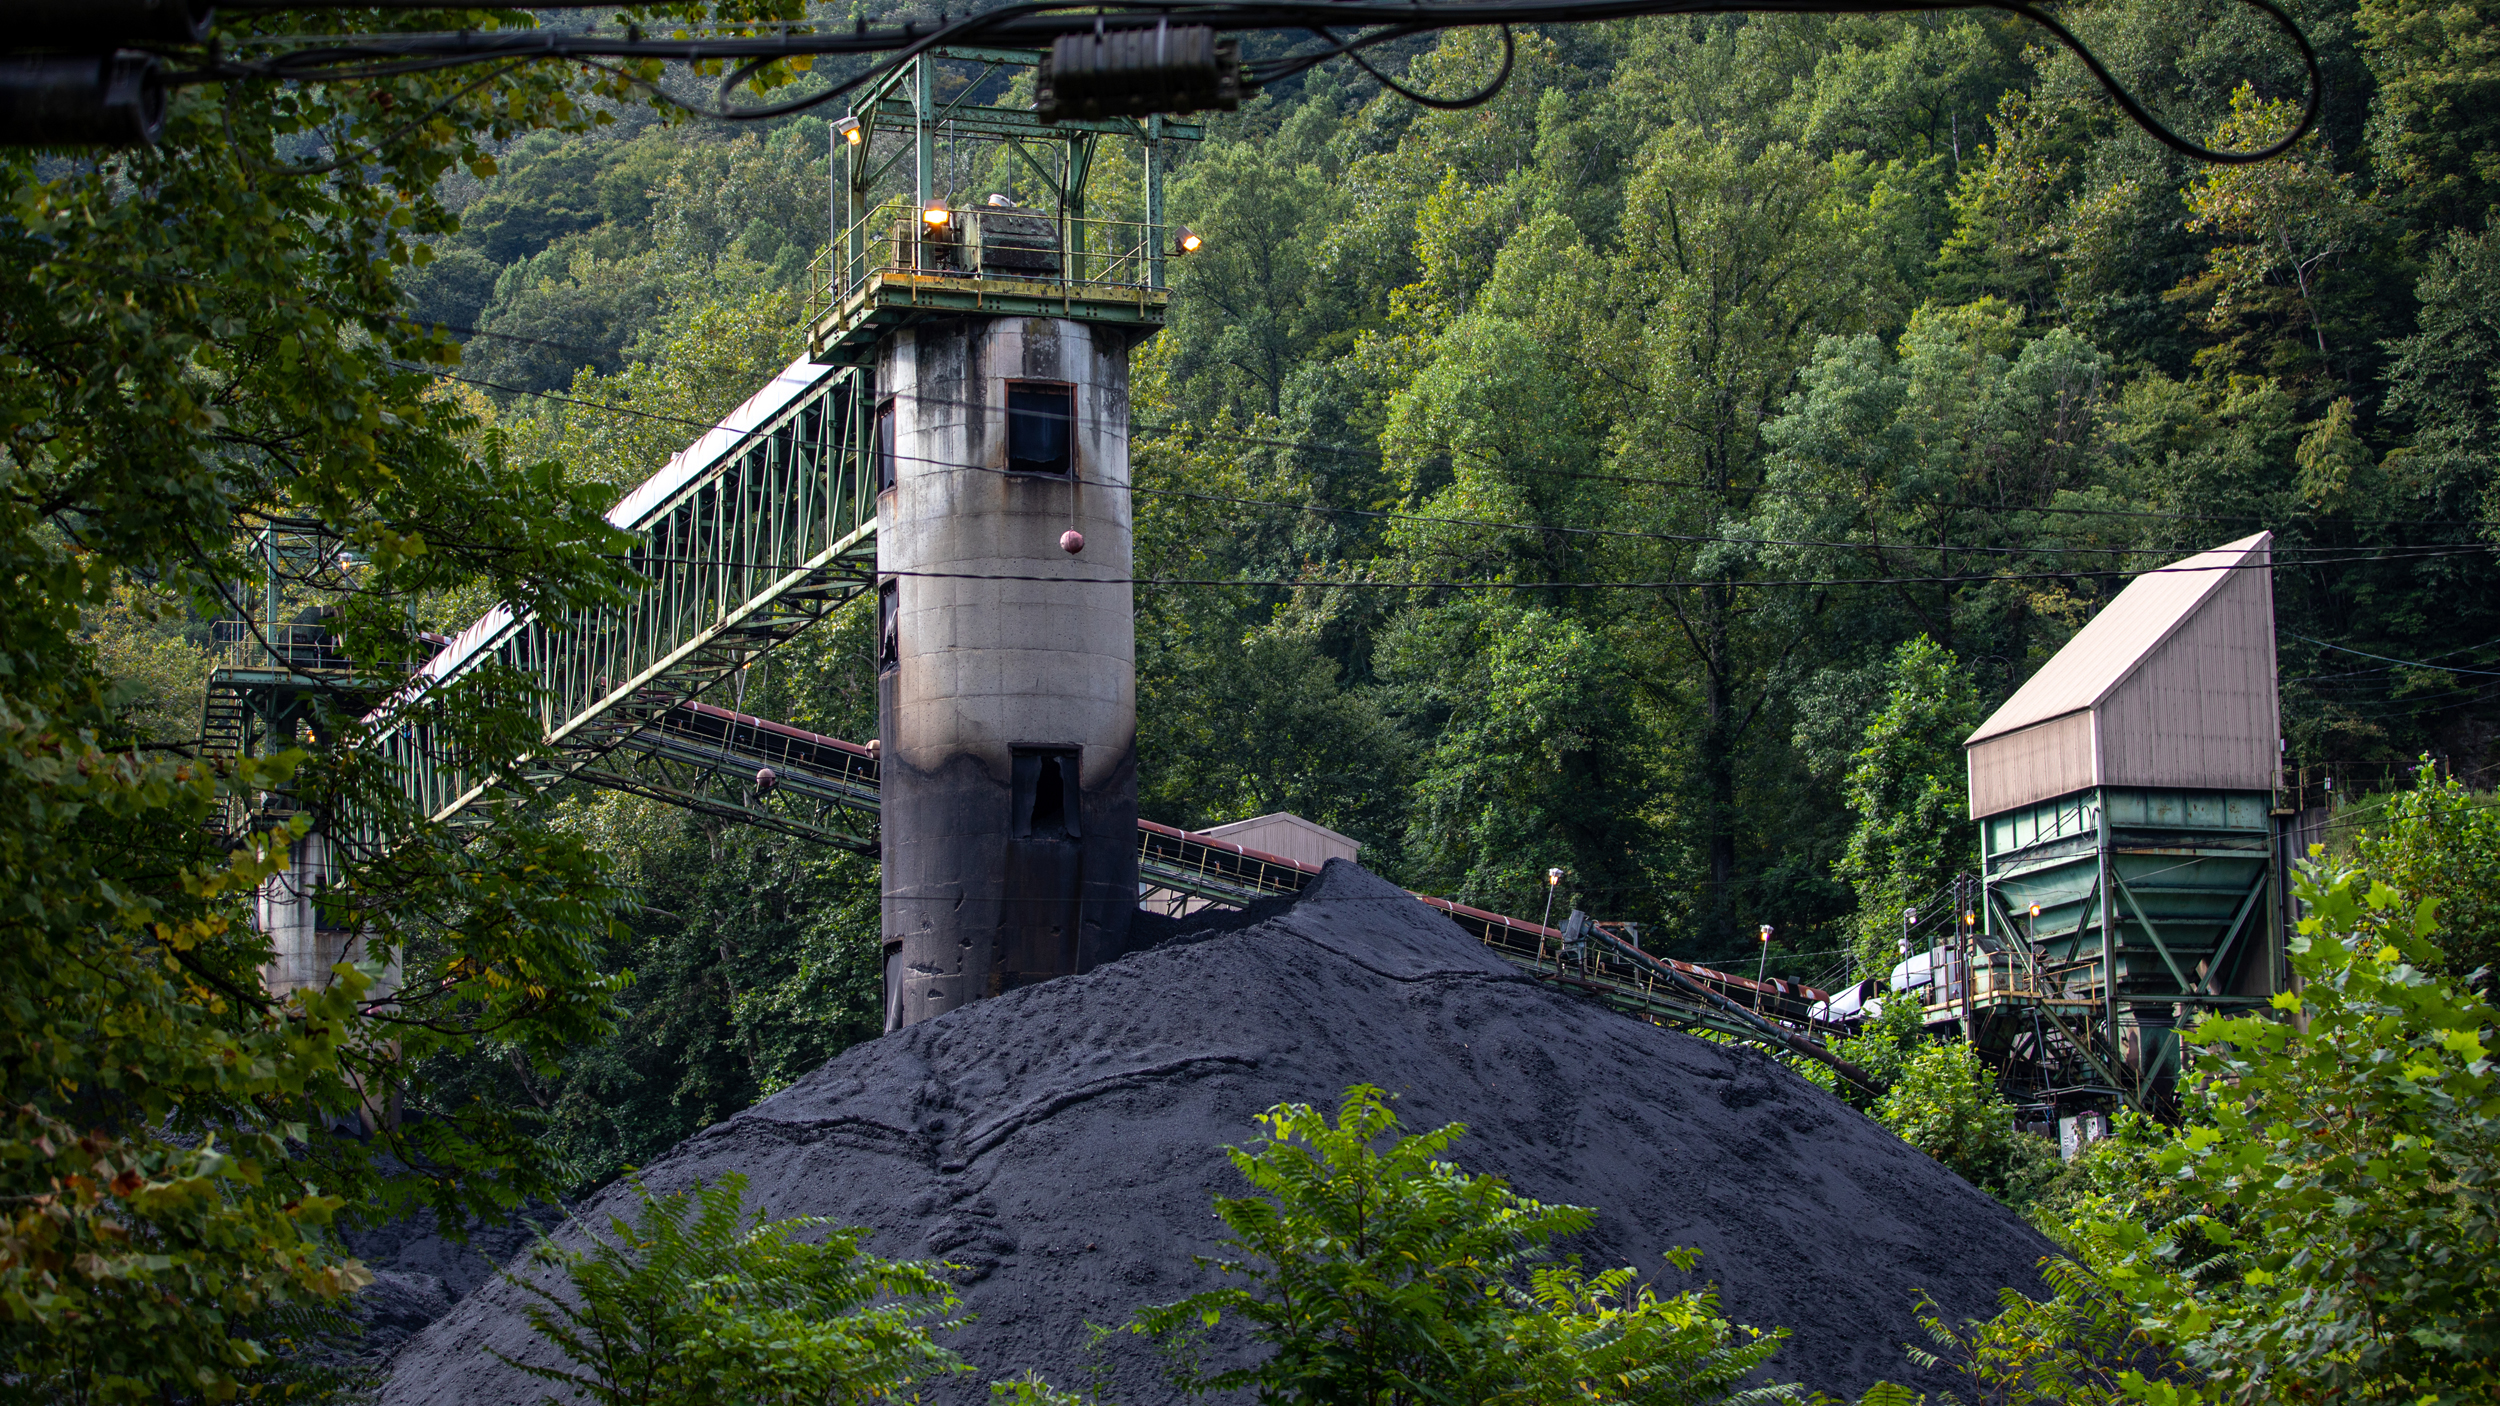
(690, 1307)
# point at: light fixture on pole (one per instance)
(1553, 881)
(1187, 241)
(852, 133)
(1762, 966)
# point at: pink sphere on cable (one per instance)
(1072, 541)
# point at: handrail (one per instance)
(1080, 256)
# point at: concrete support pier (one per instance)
(1006, 687)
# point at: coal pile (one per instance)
(1063, 1143)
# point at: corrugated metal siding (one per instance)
(2201, 710)
(2128, 630)
(2043, 760)
(2171, 685)
(1289, 836)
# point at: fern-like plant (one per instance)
(696, 1304)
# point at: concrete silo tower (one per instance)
(996, 335)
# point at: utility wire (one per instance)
(1383, 584)
(2409, 663)
(1036, 23)
(1184, 430)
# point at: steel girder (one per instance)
(757, 531)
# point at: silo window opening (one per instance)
(1046, 794)
(889, 626)
(1040, 416)
(885, 444)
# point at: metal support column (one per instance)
(924, 130)
(2109, 938)
(1155, 240)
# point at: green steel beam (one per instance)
(1010, 122)
(769, 529)
(2149, 930)
(2231, 935)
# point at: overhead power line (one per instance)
(2407, 663)
(1148, 85)
(707, 426)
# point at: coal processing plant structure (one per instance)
(2132, 858)
(996, 339)
(952, 445)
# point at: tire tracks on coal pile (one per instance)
(851, 1131)
(973, 1144)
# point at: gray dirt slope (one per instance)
(1063, 1142)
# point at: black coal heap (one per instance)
(1063, 1142)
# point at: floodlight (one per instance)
(1766, 932)
(1553, 876)
(852, 133)
(935, 214)
(1187, 241)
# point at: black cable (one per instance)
(1274, 505)
(2409, 663)
(1037, 22)
(1749, 582)
(1491, 89)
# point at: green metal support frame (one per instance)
(884, 106)
(742, 551)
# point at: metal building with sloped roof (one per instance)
(2124, 796)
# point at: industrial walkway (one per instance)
(756, 771)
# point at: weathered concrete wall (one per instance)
(302, 951)
(987, 666)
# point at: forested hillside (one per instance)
(1652, 472)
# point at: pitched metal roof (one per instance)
(2105, 652)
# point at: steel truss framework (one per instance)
(2103, 923)
(757, 531)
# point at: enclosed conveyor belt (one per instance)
(740, 767)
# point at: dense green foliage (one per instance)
(2076, 1347)
(2344, 1161)
(1383, 1275)
(696, 1303)
(1943, 1100)
(199, 339)
(2439, 842)
(1910, 792)
(1647, 473)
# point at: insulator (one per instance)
(99, 25)
(81, 100)
(1133, 72)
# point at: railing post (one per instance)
(1154, 200)
(854, 236)
(1072, 202)
(924, 135)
